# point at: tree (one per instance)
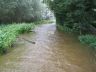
(20, 10)
(74, 13)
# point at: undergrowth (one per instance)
(8, 34)
(88, 39)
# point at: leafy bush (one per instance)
(88, 39)
(9, 33)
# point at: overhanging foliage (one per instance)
(79, 14)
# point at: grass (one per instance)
(8, 34)
(88, 39)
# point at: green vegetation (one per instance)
(43, 22)
(20, 11)
(13, 14)
(64, 28)
(76, 16)
(9, 33)
(88, 39)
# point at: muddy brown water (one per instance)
(53, 51)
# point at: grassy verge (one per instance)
(8, 34)
(88, 39)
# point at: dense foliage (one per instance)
(20, 10)
(75, 14)
(9, 33)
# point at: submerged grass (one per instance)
(8, 34)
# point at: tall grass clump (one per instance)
(88, 39)
(9, 33)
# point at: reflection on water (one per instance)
(53, 51)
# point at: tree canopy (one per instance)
(20, 10)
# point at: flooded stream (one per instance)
(51, 51)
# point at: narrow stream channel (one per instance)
(52, 51)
